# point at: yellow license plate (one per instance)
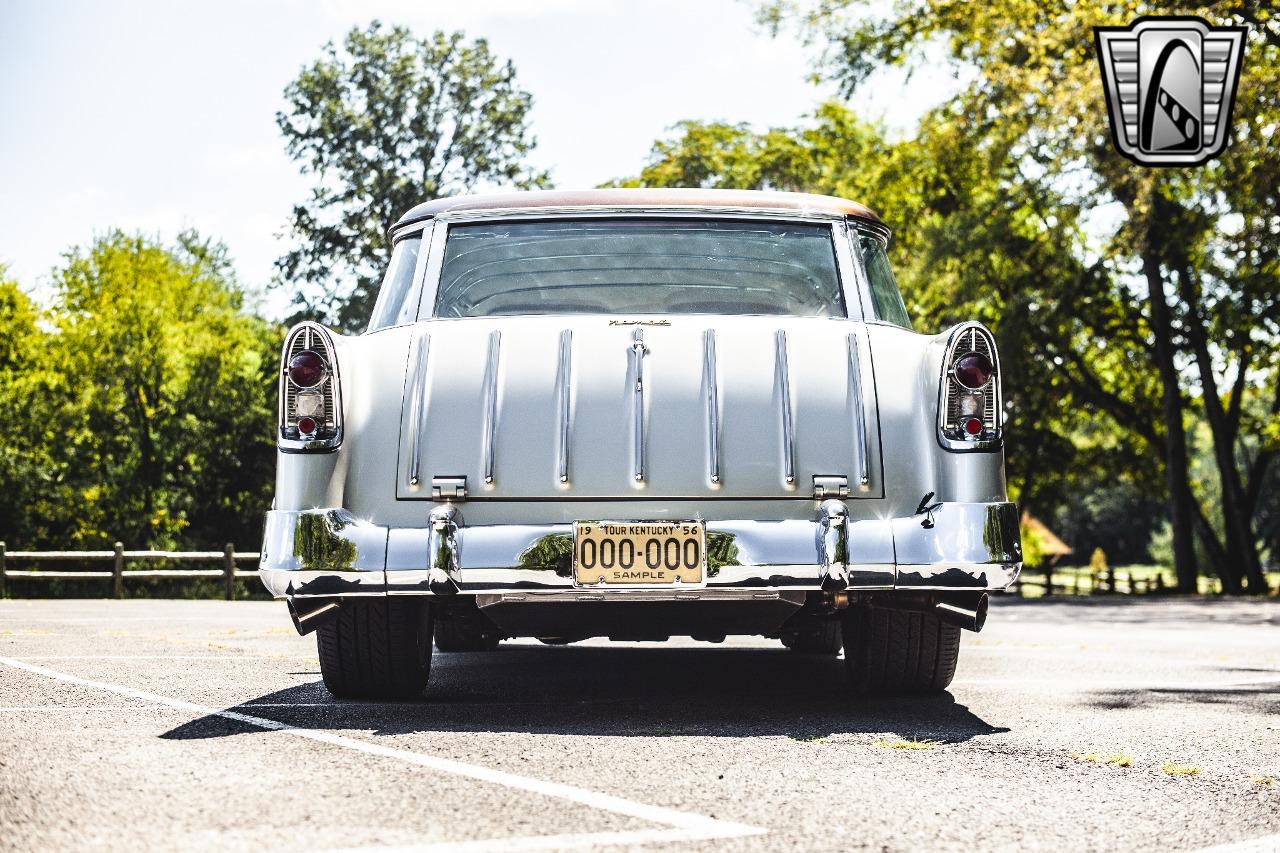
(639, 553)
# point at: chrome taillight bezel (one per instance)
(964, 339)
(328, 434)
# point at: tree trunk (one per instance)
(1181, 516)
(1242, 547)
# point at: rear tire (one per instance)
(376, 648)
(898, 651)
(465, 635)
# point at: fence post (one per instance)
(229, 568)
(4, 575)
(117, 572)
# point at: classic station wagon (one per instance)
(639, 414)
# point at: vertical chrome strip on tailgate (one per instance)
(491, 403)
(859, 414)
(417, 405)
(788, 436)
(713, 403)
(566, 362)
(637, 428)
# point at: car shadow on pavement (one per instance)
(1253, 698)
(622, 691)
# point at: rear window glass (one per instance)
(390, 309)
(884, 287)
(662, 266)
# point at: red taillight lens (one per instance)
(973, 370)
(307, 369)
(306, 426)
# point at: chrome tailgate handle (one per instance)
(830, 486)
(448, 488)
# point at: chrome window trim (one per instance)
(611, 211)
(849, 268)
(431, 274)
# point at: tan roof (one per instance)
(646, 197)
(1049, 543)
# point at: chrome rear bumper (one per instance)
(329, 552)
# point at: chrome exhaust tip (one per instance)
(969, 612)
(310, 613)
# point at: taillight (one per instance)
(310, 397)
(307, 369)
(973, 370)
(969, 405)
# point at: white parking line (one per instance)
(46, 708)
(1266, 844)
(682, 826)
(1075, 682)
(164, 657)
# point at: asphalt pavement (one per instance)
(1089, 725)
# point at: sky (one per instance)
(160, 116)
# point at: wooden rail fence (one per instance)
(228, 557)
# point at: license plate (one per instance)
(639, 553)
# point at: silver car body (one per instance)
(462, 450)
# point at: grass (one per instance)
(811, 739)
(1180, 769)
(913, 743)
(1117, 760)
(1262, 780)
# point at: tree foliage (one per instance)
(139, 405)
(1173, 314)
(382, 124)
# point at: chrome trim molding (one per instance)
(859, 413)
(713, 404)
(784, 400)
(327, 552)
(491, 404)
(418, 390)
(565, 381)
(638, 349)
(629, 210)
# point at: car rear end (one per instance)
(638, 421)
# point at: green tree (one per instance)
(148, 416)
(1194, 250)
(22, 466)
(385, 123)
